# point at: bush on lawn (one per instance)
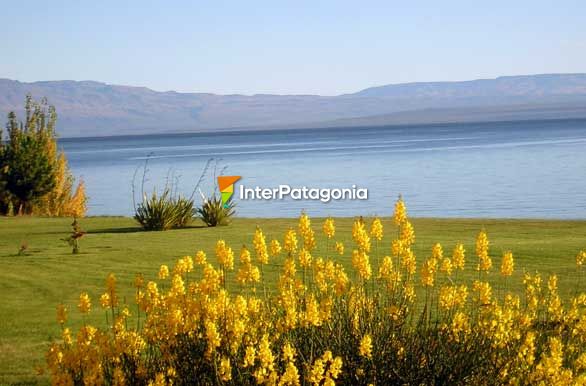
(214, 213)
(163, 212)
(34, 175)
(392, 319)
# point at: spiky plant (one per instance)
(163, 212)
(213, 212)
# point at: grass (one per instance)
(31, 285)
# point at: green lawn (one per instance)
(32, 285)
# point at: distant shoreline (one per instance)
(260, 130)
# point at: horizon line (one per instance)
(284, 94)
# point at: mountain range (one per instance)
(89, 108)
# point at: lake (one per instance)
(532, 169)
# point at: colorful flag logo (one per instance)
(226, 185)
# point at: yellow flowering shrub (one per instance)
(389, 319)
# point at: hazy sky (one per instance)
(302, 47)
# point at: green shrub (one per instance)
(214, 213)
(76, 234)
(385, 323)
(162, 212)
(27, 171)
(34, 175)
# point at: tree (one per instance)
(4, 196)
(34, 177)
(28, 173)
(63, 200)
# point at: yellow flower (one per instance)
(409, 292)
(304, 258)
(159, 380)
(311, 314)
(265, 355)
(177, 286)
(211, 279)
(247, 273)
(581, 362)
(366, 346)
(400, 214)
(397, 247)
(361, 263)
(458, 256)
(183, 265)
(453, 296)
(335, 367)
(446, 266)
(245, 255)
(309, 242)
(288, 352)
(526, 353)
(86, 335)
(329, 228)
(289, 270)
(428, 270)
(249, 355)
(225, 369)
(508, 264)
(291, 376)
(316, 372)
(437, 252)
(225, 255)
(138, 281)
(260, 247)
(581, 258)
(275, 248)
(212, 336)
(125, 312)
(550, 370)
(307, 232)
(66, 335)
(407, 234)
(339, 247)
(360, 235)
(247, 337)
(376, 229)
(84, 304)
(290, 241)
(385, 270)
(200, 258)
(484, 261)
(484, 291)
(460, 326)
(304, 223)
(552, 283)
(105, 300)
(61, 314)
(340, 280)
(325, 370)
(408, 261)
(163, 272)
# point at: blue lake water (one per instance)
(533, 169)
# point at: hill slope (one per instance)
(89, 108)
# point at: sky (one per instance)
(288, 47)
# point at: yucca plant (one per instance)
(186, 211)
(162, 212)
(214, 213)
